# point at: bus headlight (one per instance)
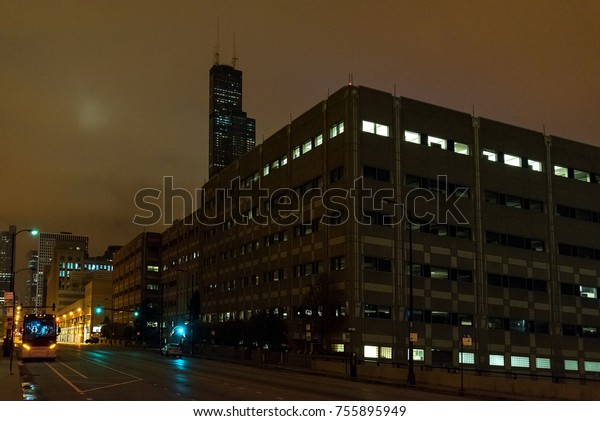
(27, 347)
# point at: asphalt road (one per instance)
(92, 372)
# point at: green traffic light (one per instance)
(136, 313)
(34, 232)
(98, 310)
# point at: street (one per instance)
(93, 372)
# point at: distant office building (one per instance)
(136, 286)
(502, 244)
(5, 263)
(231, 132)
(45, 250)
(70, 271)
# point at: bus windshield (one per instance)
(39, 328)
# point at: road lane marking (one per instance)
(72, 369)
(113, 369)
(65, 379)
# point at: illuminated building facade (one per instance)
(313, 231)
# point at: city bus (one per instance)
(39, 337)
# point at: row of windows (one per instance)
(307, 146)
(579, 214)
(377, 174)
(575, 174)
(512, 160)
(280, 162)
(438, 185)
(442, 317)
(299, 150)
(518, 282)
(375, 128)
(444, 230)
(377, 264)
(308, 269)
(518, 325)
(373, 311)
(516, 241)
(578, 290)
(436, 142)
(578, 251)
(514, 201)
(440, 272)
(579, 330)
(278, 237)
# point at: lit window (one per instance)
(497, 360)
(318, 140)
(571, 365)
(490, 155)
(534, 165)
(543, 363)
(412, 137)
(466, 358)
(275, 164)
(561, 171)
(337, 347)
(513, 161)
(418, 354)
(375, 128)
(516, 361)
(336, 129)
(368, 126)
(283, 160)
(307, 146)
(266, 169)
(296, 152)
(436, 142)
(461, 148)
(581, 175)
(385, 352)
(371, 351)
(382, 130)
(588, 292)
(592, 366)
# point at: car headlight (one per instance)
(27, 347)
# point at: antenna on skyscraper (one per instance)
(217, 60)
(234, 59)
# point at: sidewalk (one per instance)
(10, 385)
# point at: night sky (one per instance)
(102, 98)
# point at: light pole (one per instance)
(190, 295)
(411, 368)
(12, 286)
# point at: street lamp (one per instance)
(190, 306)
(14, 232)
(411, 368)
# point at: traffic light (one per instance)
(136, 313)
(98, 309)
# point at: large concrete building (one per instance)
(137, 295)
(311, 227)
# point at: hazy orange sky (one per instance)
(102, 98)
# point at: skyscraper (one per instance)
(45, 250)
(231, 132)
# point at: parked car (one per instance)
(171, 349)
(92, 340)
